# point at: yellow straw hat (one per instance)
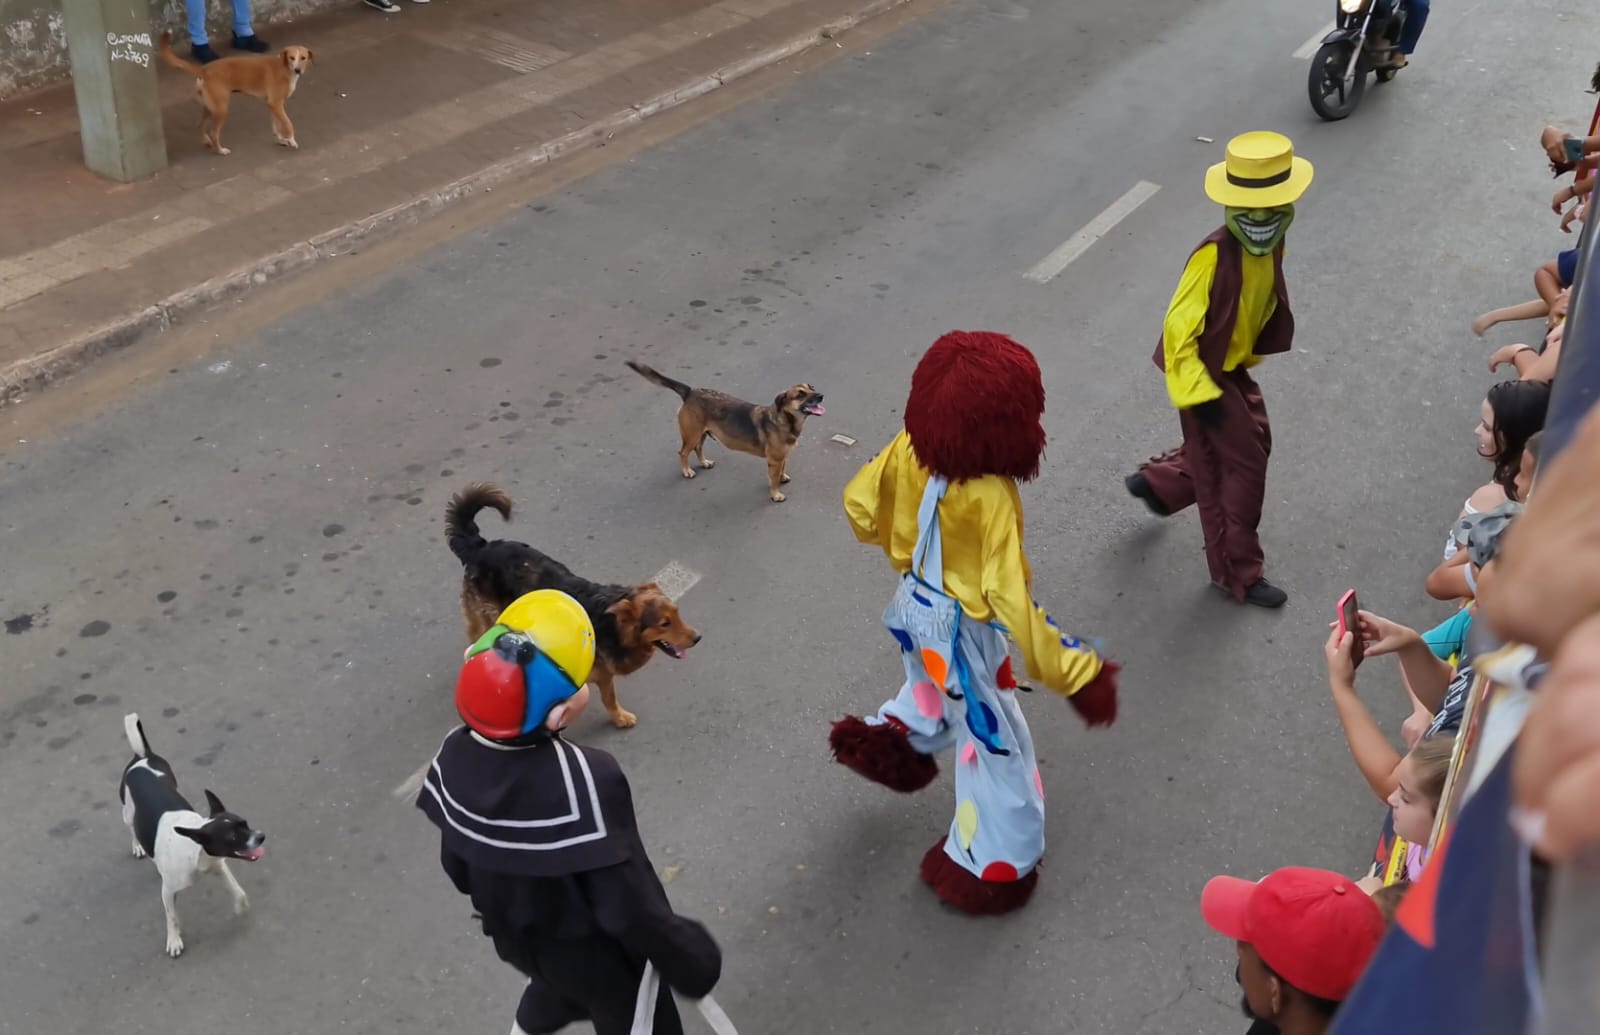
(1261, 171)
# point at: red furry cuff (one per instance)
(1096, 703)
(957, 886)
(882, 754)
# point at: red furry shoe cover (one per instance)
(1096, 703)
(956, 886)
(882, 754)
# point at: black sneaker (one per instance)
(253, 43)
(386, 6)
(1138, 486)
(1265, 594)
(203, 53)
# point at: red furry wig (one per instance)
(975, 408)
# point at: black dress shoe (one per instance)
(253, 43)
(1265, 594)
(203, 53)
(1138, 486)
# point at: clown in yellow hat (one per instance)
(1230, 309)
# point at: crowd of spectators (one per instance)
(1305, 936)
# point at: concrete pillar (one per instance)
(113, 52)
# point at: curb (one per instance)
(24, 377)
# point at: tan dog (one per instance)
(764, 431)
(271, 77)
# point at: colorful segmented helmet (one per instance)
(536, 656)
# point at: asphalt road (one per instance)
(248, 551)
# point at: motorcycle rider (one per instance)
(1416, 18)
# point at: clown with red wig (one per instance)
(941, 501)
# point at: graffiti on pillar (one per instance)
(132, 47)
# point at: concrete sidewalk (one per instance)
(400, 116)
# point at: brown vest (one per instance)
(1223, 311)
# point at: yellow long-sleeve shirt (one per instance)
(985, 568)
(1188, 383)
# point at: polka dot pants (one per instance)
(959, 692)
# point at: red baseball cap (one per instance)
(1315, 928)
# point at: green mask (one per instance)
(1260, 230)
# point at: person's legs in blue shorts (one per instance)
(1567, 266)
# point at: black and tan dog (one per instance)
(631, 623)
(765, 431)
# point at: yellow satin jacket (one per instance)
(1188, 383)
(985, 568)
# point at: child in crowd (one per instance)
(1418, 791)
(1512, 411)
(1401, 781)
(1454, 578)
(1438, 688)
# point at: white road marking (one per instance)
(1051, 265)
(1309, 47)
(413, 783)
(675, 580)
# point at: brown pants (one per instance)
(1223, 471)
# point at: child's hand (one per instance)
(1415, 726)
(1383, 636)
(1505, 354)
(1341, 666)
(1558, 308)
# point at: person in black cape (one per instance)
(540, 834)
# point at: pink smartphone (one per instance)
(1350, 622)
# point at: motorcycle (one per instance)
(1363, 42)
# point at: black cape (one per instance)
(544, 841)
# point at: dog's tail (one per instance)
(655, 377)
(171, 58)
(136, 738)
(460, 518)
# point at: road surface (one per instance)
(248, 550)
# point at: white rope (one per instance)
(644, 1008)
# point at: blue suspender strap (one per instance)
(927, 560)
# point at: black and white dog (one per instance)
(182, 843)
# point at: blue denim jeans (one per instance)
(1416, 18)
(197, 20)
